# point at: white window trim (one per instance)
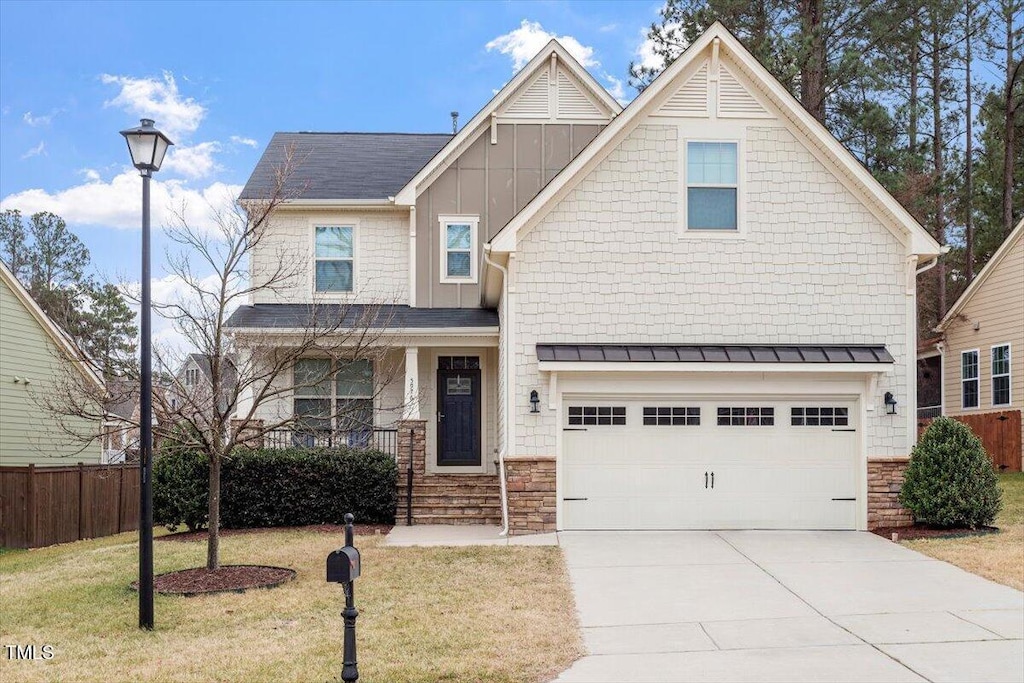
(350, 223)
(741, 172)
(977, 379)
(1008, 374)
(474, 230)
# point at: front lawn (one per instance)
(999, 557)
(425, 614)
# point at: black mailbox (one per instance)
(343, 565)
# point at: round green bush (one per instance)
(950, 481)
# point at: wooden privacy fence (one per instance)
(41, 506)
(999, 433)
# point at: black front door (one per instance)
(458, 417)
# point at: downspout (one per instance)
(504, 448)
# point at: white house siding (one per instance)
(607, 264)
(381, 256)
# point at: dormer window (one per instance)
(712, 186)
(334, 254)
(458, 249)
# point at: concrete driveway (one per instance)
(784, 606)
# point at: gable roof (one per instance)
(717, 35)
(60, 337)
(1015, 236)
(407, 195)
(343, 166)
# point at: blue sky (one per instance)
(221, 78)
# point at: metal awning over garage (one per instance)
(640, 353)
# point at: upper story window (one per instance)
(335, 258)
(712, 185)
(1001, 375)
(969, 379)
(458, 248)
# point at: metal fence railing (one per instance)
(384, 440)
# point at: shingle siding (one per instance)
(607, 265)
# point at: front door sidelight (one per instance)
(458, 417)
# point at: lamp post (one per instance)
(147, 146)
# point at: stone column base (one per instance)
(530, 484)
(885, 479)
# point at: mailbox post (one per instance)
(343, 567)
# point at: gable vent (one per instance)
(572, 102)
(533, 102)
(734, 100)
(691, 99)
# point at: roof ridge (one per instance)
(353, 132)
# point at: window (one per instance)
(458, 248)
(597, 415)
(824, 416)
(671, 415)
(458, 363)
(332, 397)
(335, 258)
(969, 379)
(1001, 375)
(712, 186)
(749, 417)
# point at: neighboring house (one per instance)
(120, 434)
(192, 384)
(685, 314)
(35, 357)
(929, 378)
(982, 343)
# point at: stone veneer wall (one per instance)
(885, 479)
(414, 432)
(530, 483)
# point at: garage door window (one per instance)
(820, 416)
(746, 417)
(677, 416)
(597, 415)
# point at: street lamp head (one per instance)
(147, 146)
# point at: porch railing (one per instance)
(384, 440)
(924, 412)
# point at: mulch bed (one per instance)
(235, 578)
(907, 533)
(360, 529)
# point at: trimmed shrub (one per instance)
(181, 482)
(950, 481)
(294, 487)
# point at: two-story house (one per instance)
(696, 312)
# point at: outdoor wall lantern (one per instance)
(534, 402)
(890, 403)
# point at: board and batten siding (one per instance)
(997, 308)
(29, 434)
(494, 182)
(285, 254)
(607, 264)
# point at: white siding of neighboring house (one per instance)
(381, 256)
(607, 264)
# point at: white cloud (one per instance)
(617, 89)
(523, 43)
(157, 99)
(645, 54)
(36, 121)
(608, 28)
(194, 161)
(38, 150)
(117, 204)
(90, 174)
(248, 142)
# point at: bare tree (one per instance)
(243, 396)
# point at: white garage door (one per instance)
(727, 463)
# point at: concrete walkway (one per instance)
(460, 535)
(784, 606)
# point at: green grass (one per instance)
(492, 614)
(1000, 556)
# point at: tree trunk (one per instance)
(812, 67)
(915, 62)
(940, 169)
(1008, 128)
(213, 536)
(969, 152)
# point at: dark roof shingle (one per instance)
(343, 165)
(359, 316)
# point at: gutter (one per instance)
(505, 441)
(935, 261)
